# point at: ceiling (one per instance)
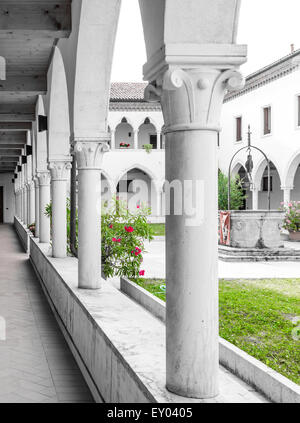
(28, 31)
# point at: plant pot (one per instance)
(294, 236)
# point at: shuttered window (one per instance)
(239, 128)
(267, 120)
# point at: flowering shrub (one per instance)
(123, 236)
(292, 216)
(124, 145)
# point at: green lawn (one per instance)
(257, 316)
(158, 229)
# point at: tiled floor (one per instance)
(36, 364)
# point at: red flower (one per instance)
(114, 240)
(129, 229)
(110, 226)
(142, 273)
(137, 251)
(137, 207)
(119, 240)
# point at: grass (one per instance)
(257, 316)
(158, 229)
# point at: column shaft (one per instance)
(113, 140)
(158, 140)
(89, 228)
(255, 199)
(31, 203)
(287, 195)
(136, 139)
(89, 160)
(37, 207)
(191, 268)
(44, 200)
(59, 211)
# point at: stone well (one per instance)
(256, 229)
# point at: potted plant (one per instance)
(148, 148)
(124, 145)
(292, 219)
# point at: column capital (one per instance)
(35, 180)
(287, 188)
(44, 178)
(89, 154)
(192, 99)
(59, 169)
(30, 185)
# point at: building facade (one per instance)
(270, 104)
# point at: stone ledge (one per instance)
(23, 233)
(121, 346)
(274, 386)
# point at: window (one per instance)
(267, 120)
(153, 141)
(218, 140)
(265, 184)
(298, 110)
(238, 132)
(124, 184)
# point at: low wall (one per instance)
(274, 386)
(23, 233)
(119, 346)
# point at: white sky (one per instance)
(269, 27)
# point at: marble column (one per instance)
(158, 134)
(37, 206)
(136, 139)
(192, 100)
(44, 200)
(255, 192)
(287, 194)
(89, 156)
(24, 205)
(59, 177)
(31, 202)
(113, 139)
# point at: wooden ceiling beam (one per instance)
(15, 126)
(39, 19)
(25, 85)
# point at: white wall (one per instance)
(280, 146)
(9, 197)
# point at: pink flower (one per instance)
(290, 205)
(129, 229)
(119, 240)
(137, 207)
(110, 226)
(114, 240)
(142, 273)
(137, 251)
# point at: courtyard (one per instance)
(149, 229)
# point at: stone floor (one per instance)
(154, 264)
(36, 365)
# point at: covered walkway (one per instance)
(36, 364)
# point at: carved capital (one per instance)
(59, 170)
(30, 186)
(44, 178)
(89, 155)
(192, 99)
(36, 182)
